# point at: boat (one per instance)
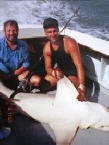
(94, 51)
(95, 60)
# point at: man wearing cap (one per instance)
(63, 51)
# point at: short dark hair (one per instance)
(50, 22)
(11, 22)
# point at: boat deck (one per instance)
(26, 131)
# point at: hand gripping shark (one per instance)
(63, 112)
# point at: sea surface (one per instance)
(91, 16)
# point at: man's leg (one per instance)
(52, 80)
(23, 75)
(48, 84)
(43, 84)
(9, 80)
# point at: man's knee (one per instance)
(51, 80)
(23, 75)
(35, 80)
(46, 86)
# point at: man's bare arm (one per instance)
(55, 72)
(75, 55)
(19, 71)
(47, 58)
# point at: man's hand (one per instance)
(22, 76)
(81, 91)
(57, 73)
(20, 70)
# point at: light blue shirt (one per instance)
(11, 60)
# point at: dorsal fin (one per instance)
(66, 91)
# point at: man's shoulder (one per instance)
(2, 42)
(70, 44)
(2, 39)
(68, 38)
(47, 44)
(46, 49)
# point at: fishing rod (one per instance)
(23, 84)
(22, 87)
(74, 15)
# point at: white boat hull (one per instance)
(99, 51)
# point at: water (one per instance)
(92, 16)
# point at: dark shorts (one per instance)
(9, 80)
(70, 73)
(40, 73)
(68, 69)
